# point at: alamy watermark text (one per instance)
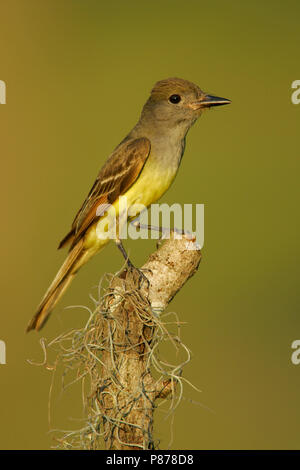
(2, 92)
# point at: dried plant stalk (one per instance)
(118, 352)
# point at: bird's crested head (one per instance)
(177, 100)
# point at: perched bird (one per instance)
(142, 167)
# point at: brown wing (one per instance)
(120, 171)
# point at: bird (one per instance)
(141, 168)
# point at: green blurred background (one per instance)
(77, 74)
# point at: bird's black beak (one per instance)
(207, 102)
(210, 100)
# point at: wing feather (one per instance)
(117, 175)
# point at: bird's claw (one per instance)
(141, 276)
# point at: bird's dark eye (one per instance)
(175, 99)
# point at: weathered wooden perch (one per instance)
(127, 392)
(116, 354)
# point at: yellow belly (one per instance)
(149, 187)
(151, 184)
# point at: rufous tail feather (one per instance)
(68, 238)
(60, 283)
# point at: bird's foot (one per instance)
(130, 266)
(140, 275)
(165, 232)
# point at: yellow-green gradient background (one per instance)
(77, 75)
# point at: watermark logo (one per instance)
(296, 94)
(2, 92)
(2, 352)
(188, 221)
(295, 357)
